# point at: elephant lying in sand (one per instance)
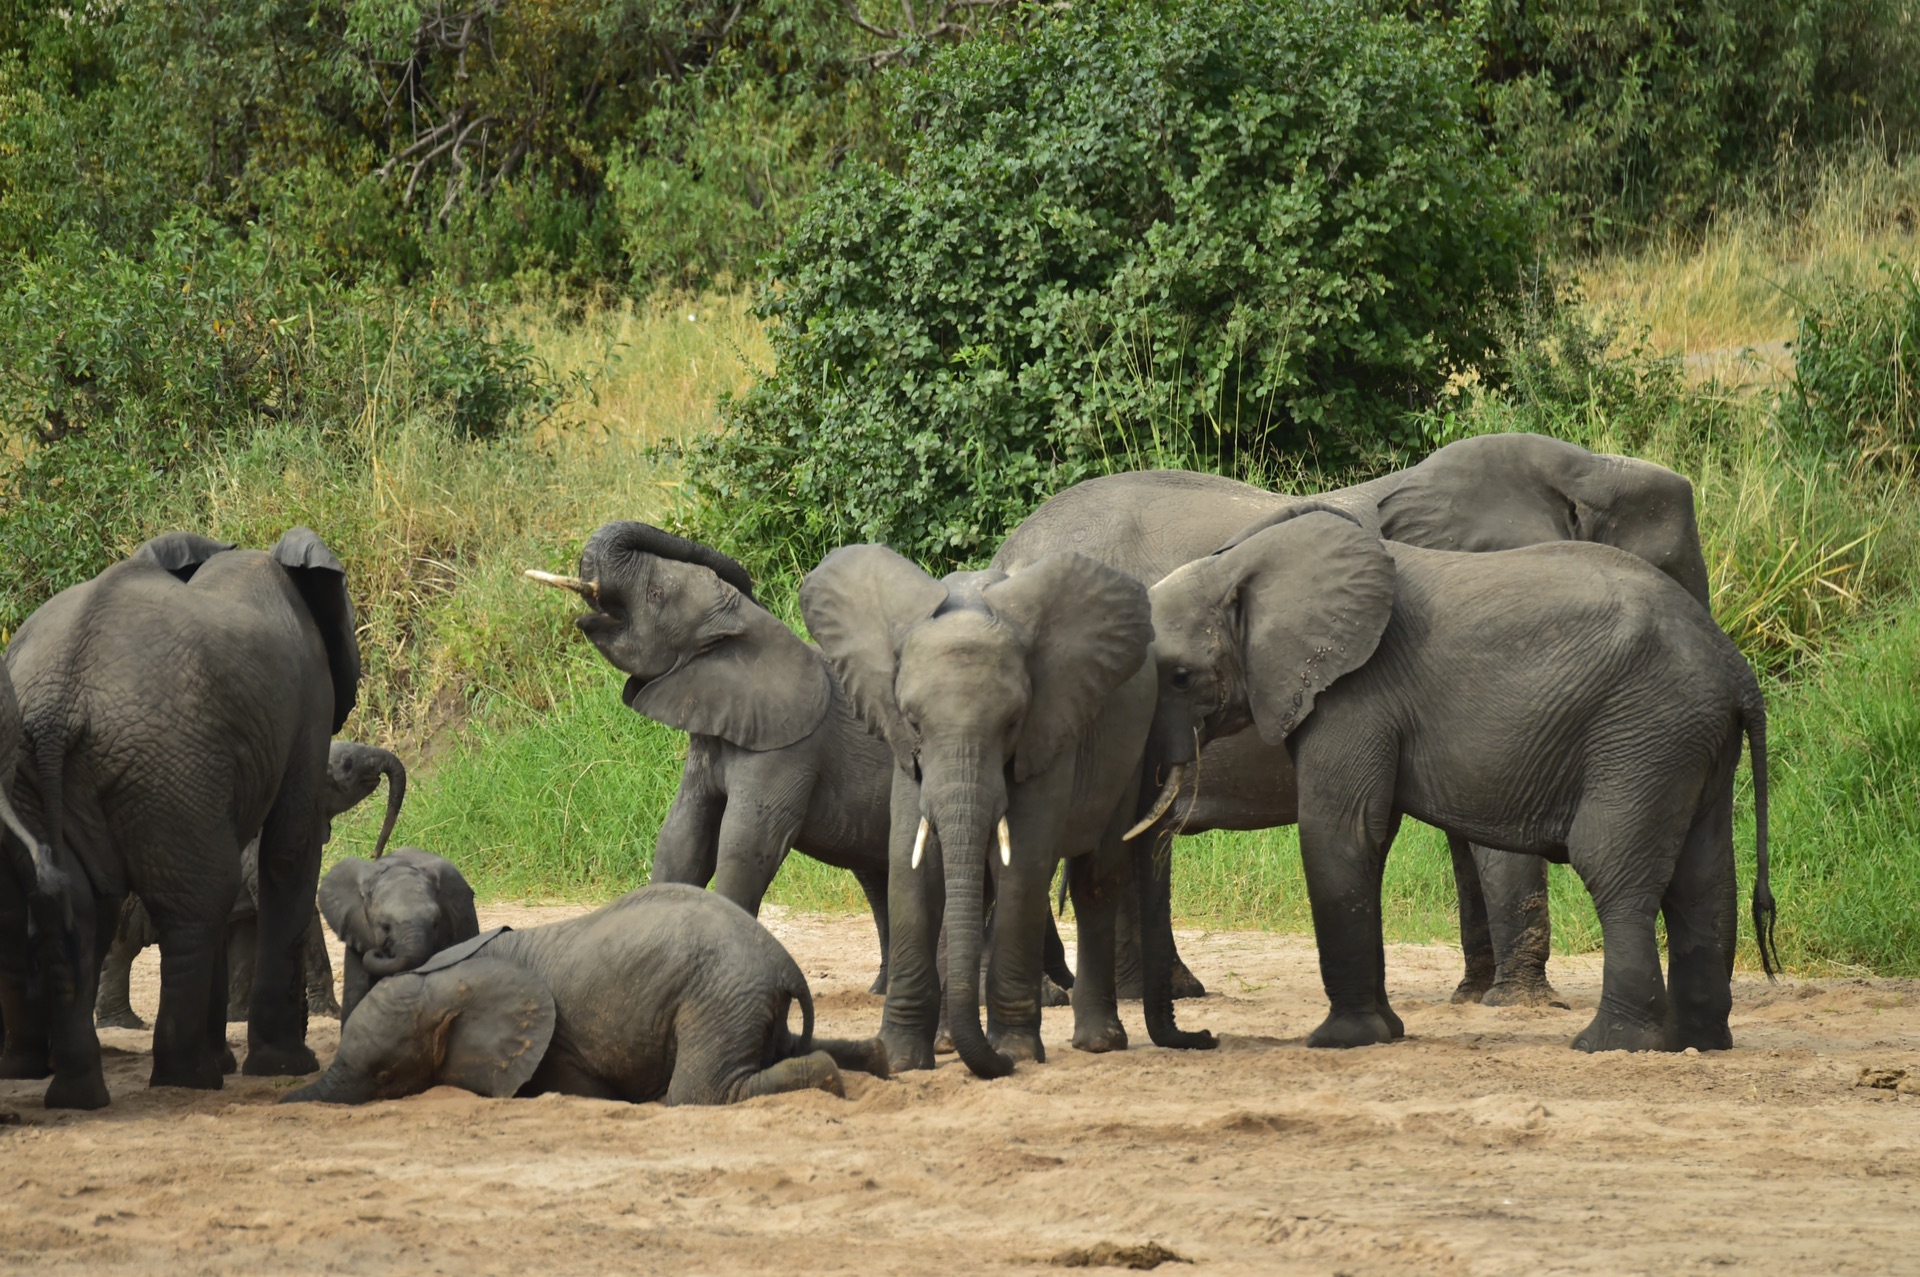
(669, 993)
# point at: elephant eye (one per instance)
(1182, 678)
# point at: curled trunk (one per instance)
(410, 945)
(396, 773)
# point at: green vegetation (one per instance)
(454, 285)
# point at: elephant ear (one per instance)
(1311, 594)
(860, 604)
(757, 685)
(322, 583)
(343, 902)
(458, 920)
(1088, 628)
(180, 553)
(498, 1020)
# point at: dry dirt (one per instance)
(1478, 1145)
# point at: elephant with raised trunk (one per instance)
(776, 757)
(354, 771)
(669, 993)
(392, 914)
(1015, 708)
(1495, 492)
(1565, 701)
(174, 705)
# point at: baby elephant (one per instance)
(669, 993)
(393, 914)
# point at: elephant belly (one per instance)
(1242, 783)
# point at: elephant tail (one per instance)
(1753, 712)
(794, 989)
(51, 889)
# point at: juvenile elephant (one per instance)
(776, 757)
(392, 914)
(1495, 492)
(669, 993)
(353, 773)
(175, 704)
(1565, 700)
(1015, 707)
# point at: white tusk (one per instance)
(919, 842)
(1167, 794)
(586, 589)
(1006, 843)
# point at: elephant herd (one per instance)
(1509, 640)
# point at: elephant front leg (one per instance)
(874, 886)
(1018, 942)
(1098, 889)
(1343, 856)
(916, 899)
(1520, 927)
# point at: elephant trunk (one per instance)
(338, 1085)
(964, 812)
(396, 773)
(409, 945)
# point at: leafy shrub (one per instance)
(1227, 229)
(1857, 368)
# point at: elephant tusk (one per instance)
(1168, 793)
(919, 841)
(1006, 843)
(585, 589)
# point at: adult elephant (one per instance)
(777, 759)
(176, 703)
(1015, 707)
(1493, 492)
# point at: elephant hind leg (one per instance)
(1519, 926)
(1476, 940)
(867, 1055)
(1626, 861)
(1702, 912)
(113, 1009)
(698, 1082)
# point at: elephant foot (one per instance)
(907, 1052)
(88, 1091)
(1475, 984)
(266, 1059)
(197, 1075)
(1608, 1033)
(1186, 984)
(320, 1001)
(24, 1066)
(1100, 1037)
(1521, 993)
(868, 1055)
(123, 1018)
(1394, 1023)
(1052, 995)
(1363, 1029)
(1704, 1037)
(1018, 1044)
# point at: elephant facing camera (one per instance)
(392, 914)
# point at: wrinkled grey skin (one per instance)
(1566, 701)
(176, 703)
(392, 914)
(353, 773)
(1495, 492)
(776, 757)
(669, 993)
(1025, 697)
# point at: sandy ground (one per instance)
(1478, 1145)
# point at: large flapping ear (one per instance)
(495, 1019)
(322, 583)
(758, 686)
(180, 553)
(343, 902)
(860, 603)
(1312, 595)
(1087, 628)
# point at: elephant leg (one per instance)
(1018, 937)
(1130, 950)
(1098, 883)
(754, 840)
(1153, 890)
(26, 1051)
(1702, 912)
(290, 843)
(916, 899)
(1056, 978)
(318, 968)
(873, 884)
(193, 1000)
(1343, 839)
(113, 1009)
(1476, 941)
(688, 844)
(1520, 926)
(814, 1071)
(864, 1055)
(355, 980)
(242, 949)
(74, 1047)
(1626, 863)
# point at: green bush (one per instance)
(1857, 368)
(1224, 229)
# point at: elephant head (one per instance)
(354, 771)
(399, 911)
(976, 681)
(700, 654)
(1252, 633)
(479, 1023)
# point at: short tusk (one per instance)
(585, 589)
(1168, 793)
(919, 841)
(1006, 843)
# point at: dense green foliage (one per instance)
(1226, 229)
(1857, 355)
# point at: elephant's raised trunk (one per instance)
(396, 773)
(963, 811)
